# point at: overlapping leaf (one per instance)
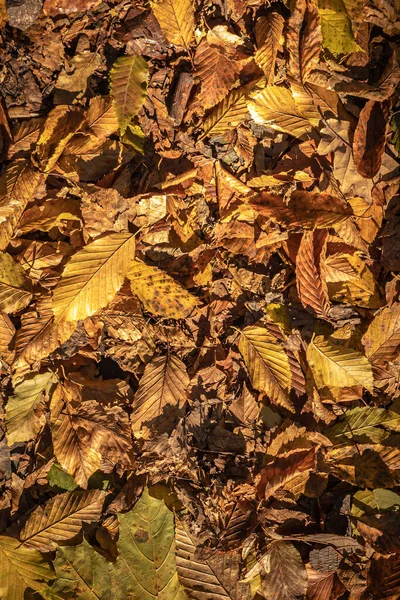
(61, 519)
(25, 410)
(176, 19)
(382, 337)
(13, 293)
(268, 32)
(337, 366)
(267, 363)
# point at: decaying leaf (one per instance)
(159, 293)
(176, 19)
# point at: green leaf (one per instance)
(146, 566)
(361, 425)
(82, 574)
(372, 502)
(58, 477)
(128, 78)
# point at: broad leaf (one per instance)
(336, 28)
(21, 568)
(146, 564)
(267, 363)
(350, 280)
(128, 78)
(163, 385)
(159, 293)
(61, 519)
(274, 106)
(93, 276)
(227, 115)
(336, 366)
(25, 411)
(176, 19)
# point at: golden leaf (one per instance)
(228, 114)
(336, 366)
(93, 276)
(101, 117)
(159, 293)
(267, 363)
(164, 384)
(24, 411)
(13, 296)
(176, 19)
(84, 65)
(274, 106)
(7, 332)
(268, 36)
(128, 79)
(61, 518)
(382, 337)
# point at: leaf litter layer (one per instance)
(199, 300)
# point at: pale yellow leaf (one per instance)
(382, 338)
(13, 293)
(24, 411)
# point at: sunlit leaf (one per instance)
(159, 293)
(176, 19)
(128, 78)
(93, 276)
(337, 366)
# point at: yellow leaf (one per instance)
(275, 106)
(164, 384)
(21, 568)
(24, 411)
(336, 366)
(101, 117)
(93, 276)
(13, 296)
(128, 79)
(7, 332)
(159, 293)
(228, 114)
(20, 182)
(267, 363)
(176, 19)
(337, 34)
